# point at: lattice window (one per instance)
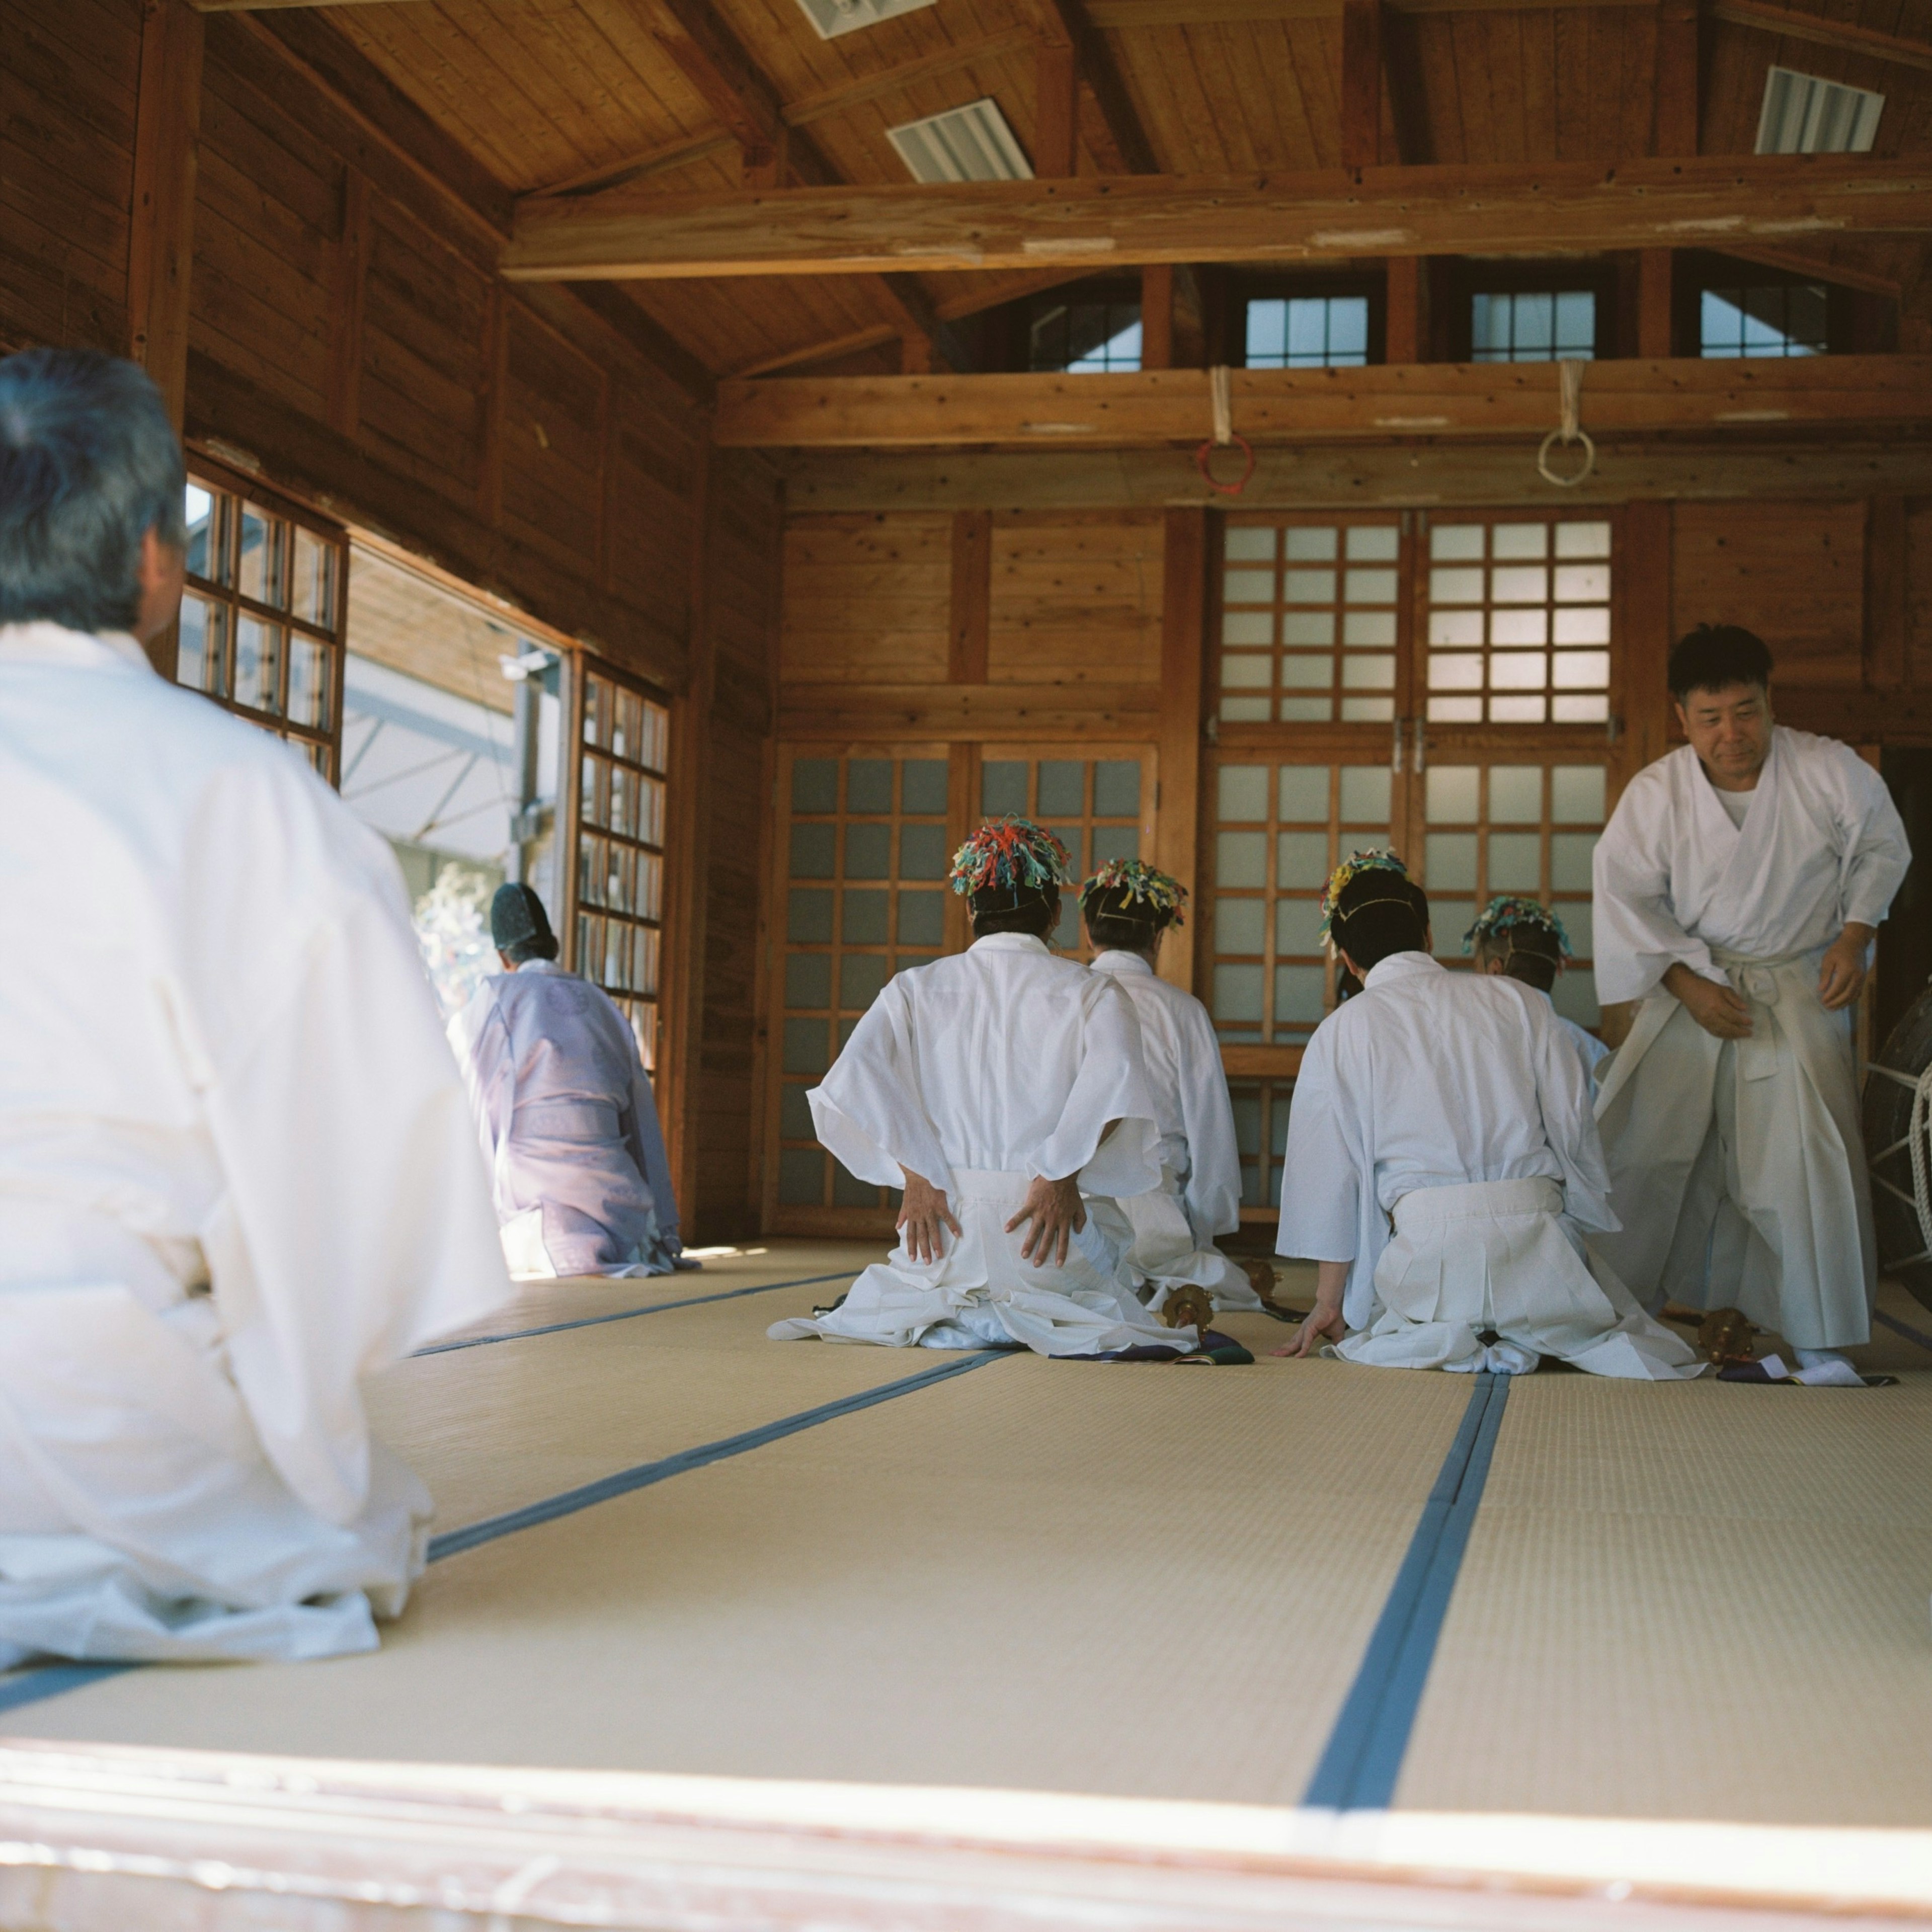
(1533, 325)
(1093, 805)
(1770, 320)
(1307, 332)
(1309, 620)
(261, 620)
(1087, 338)
(1514, 826)
(1260, 1135)
(1519, 621)
(624, 745)
(866, 898)
(1279, 829)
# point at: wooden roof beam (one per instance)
(1329, 216)
(1888, 394)
(1065, 23)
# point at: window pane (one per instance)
(264, 571)
(1517, 541)
(1516, 861)
(869, 785)
(1241, 859)
(1313, 543)
(1576, 794)
(312, 584)
(1451, 861)
(1247, 627)
(1305, 628)
(1304, 793)
(1237, 993)
(1308, 587)
(922, 853)
(1002, 787)
(1245, 543)
(812, 850)
(861, 975)
(1297, 995)
(1516, 794)
(309, 681)
(922, 785)
(1297, 927)
(1449, 672)
(809, 916)
(1450, 792)
(1116, 788)
(1239, 925)
(202, 663)
(1302, 858)
(1250, 671)
(866, 914)
(801, 1178)
(1570, 856)
(815, 785)
(258, 664)
(1242, 793)
(806, 1049)
(1361, 672)
(1248, 587)
(809, 980)
(1365, 795)
(1062, 787)
(1245, 710)
(922, 919)
(794, 1112)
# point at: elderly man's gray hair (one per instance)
(89, 463)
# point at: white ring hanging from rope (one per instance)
(1569, 396)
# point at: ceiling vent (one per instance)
(1805, 115)
(834, 17)
(964, 144)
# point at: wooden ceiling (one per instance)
(567, 95)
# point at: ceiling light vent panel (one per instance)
(834, 17)
(1805, 115)
(963, 144)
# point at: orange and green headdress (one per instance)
(1379, 859)
(1508, 912)
(1132, 889)
(1012, 855)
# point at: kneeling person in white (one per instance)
(1450, 1104)
(1521, 939)
(236, 1169)
(1167, 1235)
(565, 1110)
(993, 1087)
(1739, 884)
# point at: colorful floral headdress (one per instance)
(1012, 854)
(1380, 859)
(1508, 909)
(1134, 879)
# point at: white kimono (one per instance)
(569, 1127)
(1590, 1050)
(1738, 1167)
(1440, 1141)
(237, 1172)
(979, 1073)
(1167, 1236)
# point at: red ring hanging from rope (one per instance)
(1204, 458)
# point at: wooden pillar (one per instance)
(972, 595)
(1406, 317)
(1886, 668)
(1184, 614)
(1676, 130)
(1361, 82)
(1644, 592)
(1157, 316)
(1655, 299)
(1056, 138)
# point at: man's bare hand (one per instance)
(923, 1214)
(1058, 1214)
(1322, 1324)
(1721, 1012)
(1841, 973)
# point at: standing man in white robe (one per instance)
(995, 1087)
(1448, 1106)
(569, 1123)
(1739, 885)
(1167, 1235)
(1521, 939)
(236, 1169)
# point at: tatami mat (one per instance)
(1688, 1601)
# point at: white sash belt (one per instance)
(1477, 1201)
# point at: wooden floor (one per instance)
(1680, 1602)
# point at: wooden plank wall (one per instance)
(69, 80)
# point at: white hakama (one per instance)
(569, 1127)
(1166, 1236)
(1738, 1167)
(1441, 1143)
(980, 1072)
(237, 1173)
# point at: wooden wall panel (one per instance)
(552, 441)
(654, 455)
(1076, 599)
(1793, 572)
(741, 589)
(69, 78)
(423, 357)
(868, 599)
(1918, 593)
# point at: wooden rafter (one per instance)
(1066, 23)
(1791, 23)
(1327, 216)
(1888, 394)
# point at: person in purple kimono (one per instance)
(565, 1109)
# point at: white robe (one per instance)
(237, 1172)
(1430, 1084)
(979, 1073)
(1738, 1168)
(569, 1127)
(1589, 1048)
(1167, 1235)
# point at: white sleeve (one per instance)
(1111, 1084)
(1565, 1092)
(1321, 1177)
(1207, 1119)
(868, 1111)
(644, 1133)
(1636, 933)
(1876, 852)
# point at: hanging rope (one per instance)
(1570, 394)
(1220, 397)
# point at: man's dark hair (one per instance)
(1117, 920)
(1379, 913)
(1014, 909)
(1715, 656)
(89, 463)
(1530, 953)
(519, 926)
